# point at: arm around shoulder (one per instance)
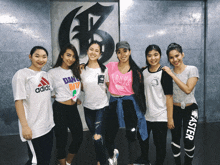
(188, 87)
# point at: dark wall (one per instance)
(23, 24)
(145, 22)
(212, 62)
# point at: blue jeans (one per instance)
(94, 121)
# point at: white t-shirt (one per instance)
(157, 85)
(34, 88)
(93, 81)
(65, 85)
(178, 95)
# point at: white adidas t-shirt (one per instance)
(94, 81)
(65, 85)
(33, 87)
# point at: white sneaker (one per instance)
(114, 160)
(115, 157)
(111, 161)
(68, 163)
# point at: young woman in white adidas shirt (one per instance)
(32, 95)
(185, 108)
(94, 78)
(65, 77)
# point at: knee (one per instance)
(189, 147)
(176, 149)
(97, 137)
(61, 153)
(131, 134)
(188, 143)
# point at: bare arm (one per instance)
(26, 131)
(107, 83)
(78, 101)
(188, 87)
(81, 67)
(81, 86)
(169, 104)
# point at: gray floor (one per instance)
(14, 152)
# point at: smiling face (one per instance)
(68, 59)
(176, 58)
(123, 55)
(94, 52)
(153, 58)
(38, 59)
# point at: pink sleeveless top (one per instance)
(119, 84)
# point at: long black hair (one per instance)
(75, 66)
(102, 67)
(138, 84)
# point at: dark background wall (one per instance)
(162, 22)
(212, 62)
(23, 24)
(194, 24)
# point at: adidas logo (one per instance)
(43, 86)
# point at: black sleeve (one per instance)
(143, 68)
(167, 83)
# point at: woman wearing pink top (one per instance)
(127, 105)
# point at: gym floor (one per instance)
(14, 152)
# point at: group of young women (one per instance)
(153, 98)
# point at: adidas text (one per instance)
(43, 88)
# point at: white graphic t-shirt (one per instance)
(65, 85)
(157, 85)
(94, 86)
(34, 88)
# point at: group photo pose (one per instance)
(185, 111)
(152, 99)
(127, 102)
(65, 78)
(94, 76)
(158, 89)
(32, 96)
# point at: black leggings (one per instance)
(39, 149)
(112, 126)
(67, 116)
(187, 118)
(159, 131)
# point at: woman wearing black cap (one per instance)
(127, 105)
